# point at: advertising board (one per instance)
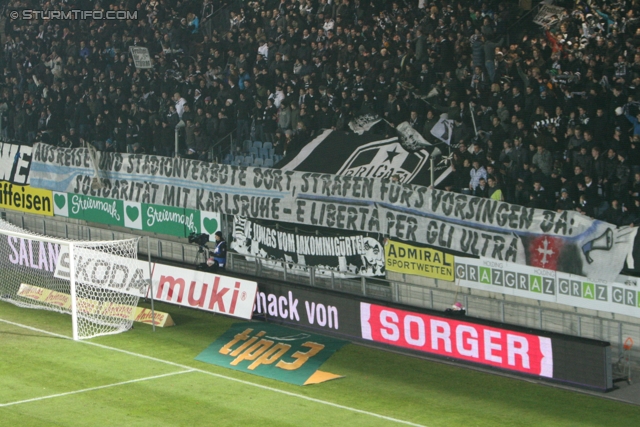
(204, 291)
(521, 351)
(547, 285)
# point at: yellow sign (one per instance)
(139, 314)
(403, 258)
(25, 198)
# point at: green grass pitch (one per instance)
(47, 380)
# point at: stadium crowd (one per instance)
(544, 116)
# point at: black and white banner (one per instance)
(548, 15)
(443, 129)
(342, 253)
(141, 57)
(15, 163)
(364, 123)
(411, 138)
(369, 156)
(564, 241)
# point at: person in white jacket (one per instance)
(180, 103)
(55, 63)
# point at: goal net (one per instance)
(98, 283)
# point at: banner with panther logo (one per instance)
(404, 156)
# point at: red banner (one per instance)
(502, 348)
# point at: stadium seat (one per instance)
(246, 145)
(266, 153)
(237, 160)
(257, 144)
(228, 159)
(268, 163)
(276, 158)
(248, 161)
(267, 145)
(258, 162)
(255, 152)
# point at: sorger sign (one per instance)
(529, 354)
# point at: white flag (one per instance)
(141, 57)
(443, 129)
(363, 123)
(411, 138)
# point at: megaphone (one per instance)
(602, 243)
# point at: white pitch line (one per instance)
(249, 383)
(36, 399)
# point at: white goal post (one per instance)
(98, 282)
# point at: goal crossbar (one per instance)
(97, 277)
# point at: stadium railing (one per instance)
(222, 147)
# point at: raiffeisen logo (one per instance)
(26, 199)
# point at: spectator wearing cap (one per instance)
(565, 203)
(619, 141)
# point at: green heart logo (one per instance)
(132, 213)
(211, 225)
(60, 200)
